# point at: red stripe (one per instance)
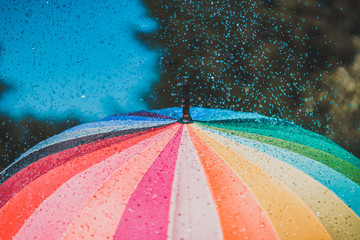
(147, 212)
(17, 212)
(28, 174)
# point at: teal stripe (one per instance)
(339, 165)
(343, 187)
(294, 134)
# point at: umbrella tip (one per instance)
(185, 120)
(185, 103)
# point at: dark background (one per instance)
(296, 60)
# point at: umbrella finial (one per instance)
(185, 104)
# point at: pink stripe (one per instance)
(147, 212)
(30, 173)
(193, 212)
(58, 210)
(101, 215)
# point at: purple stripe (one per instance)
(149, 114)
(147, 212)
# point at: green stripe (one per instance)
(294, 134)
(325, 158)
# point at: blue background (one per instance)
(69, 58)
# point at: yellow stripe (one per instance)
(338, 219)
(290, 216)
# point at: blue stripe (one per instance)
(129, 117)
(207, 114)
(128, 121)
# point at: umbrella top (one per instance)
(139, 121)
(285, 173)
(145, 119)
(208, 114)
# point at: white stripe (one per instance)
(192, 210)
(68, 135)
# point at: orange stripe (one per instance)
(289, 215)
(338, 219)
(240, 215)
(101, 215)
(18, 209)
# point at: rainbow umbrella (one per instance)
(228, 175)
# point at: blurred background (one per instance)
(64, 62)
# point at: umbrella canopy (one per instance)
(228, 175)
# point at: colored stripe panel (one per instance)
(100, 133)
(101, 215)
(294, 134)
(126, 122)
(144, 116)
(150, 114)
(16, 213)
(45, 149)
(240, 214)
(28, 174)
(344, 188)
(335, 163)
(128, 117)
(289, 215)
(192, 210)
(73, 135)
(339, 220)
(146, 214)
(208, 114)
(64, 204)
